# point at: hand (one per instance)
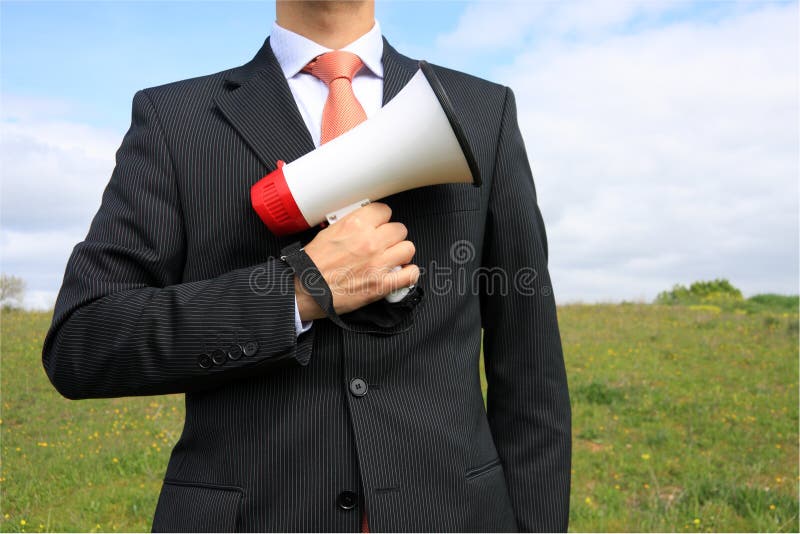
(356, 257)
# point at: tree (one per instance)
(12, 290)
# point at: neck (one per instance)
(333, 24)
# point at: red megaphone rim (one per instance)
(273, 202)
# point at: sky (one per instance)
(663, 136)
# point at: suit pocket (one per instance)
(489, 504)
(197, 507)
(475, 472)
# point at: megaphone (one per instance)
(415, 140)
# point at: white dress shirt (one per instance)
(293, 52)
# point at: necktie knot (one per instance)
(334, 65)
(342, 110)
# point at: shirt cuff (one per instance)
(300, 326)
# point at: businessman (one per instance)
(295, 421)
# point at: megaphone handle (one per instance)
(398, 294)
(334, 216)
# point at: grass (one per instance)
(685, 418)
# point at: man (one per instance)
(295, 422)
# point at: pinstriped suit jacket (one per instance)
(160, 298)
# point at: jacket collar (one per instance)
(294, 51)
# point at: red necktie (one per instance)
(342, 110)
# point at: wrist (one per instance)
(306, 305)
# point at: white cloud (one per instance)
(53, 175)
(492, 25)
(664, 146)
(509, 25)
(39, 300)
(53, 170)
(661, 155)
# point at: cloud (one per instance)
(662, 135)
(54, 170)
(489, 26)
(662, 152)
(492, 25)
(39, 257)
(53, 175)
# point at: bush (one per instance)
(773, 302)
(719, 294)
(719, 291)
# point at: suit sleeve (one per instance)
(527, 400)
(124, 324)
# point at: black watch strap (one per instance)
(312, 280)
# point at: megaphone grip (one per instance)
(398, 294)
(272, 200)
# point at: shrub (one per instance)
(719, 291)
(773, 302)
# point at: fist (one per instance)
(356, 256)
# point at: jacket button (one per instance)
(347, 500)
(358, 387)
(235, 353)
(204, 361)
(249, 348)
(218, 357)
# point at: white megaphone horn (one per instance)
(415, 140)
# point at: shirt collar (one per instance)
(293, 51)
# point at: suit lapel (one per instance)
(397, 71)
(260, 106)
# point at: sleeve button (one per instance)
(235, 353)
(204, 361)
(218, 357)
(250, 348)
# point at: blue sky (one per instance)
(97, 54)
(663, 135)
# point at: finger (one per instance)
(399, 254)
(374, 214)
(407, 276)
(390, 233)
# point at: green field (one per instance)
(685, 419)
